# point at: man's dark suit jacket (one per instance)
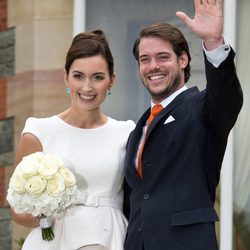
(172, 207)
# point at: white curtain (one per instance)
(242, 129)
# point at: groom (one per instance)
(173, 165)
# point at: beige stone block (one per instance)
(42, 45)
(50, 97)
(20, 94)
(24, 11)
(43, 33)
(52, 39)
(37, 93)
(24, 48)
(56, 9)
(20, 11)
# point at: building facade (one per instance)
(34, 38)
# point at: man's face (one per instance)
(161, 71)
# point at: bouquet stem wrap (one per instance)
(46, 226)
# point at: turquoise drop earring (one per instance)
(68, 90)
(109, 93)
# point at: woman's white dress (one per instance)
(96, 157)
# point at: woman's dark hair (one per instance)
(87, 44)
(170, 34)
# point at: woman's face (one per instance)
(89, 81)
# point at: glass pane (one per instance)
(121, 21)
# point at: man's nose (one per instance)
(154, 64)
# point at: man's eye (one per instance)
(162, 58)
(144, 60)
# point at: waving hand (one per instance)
(207, 22)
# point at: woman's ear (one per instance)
(112, 81)
(65, 77)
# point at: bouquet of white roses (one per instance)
(42, 186)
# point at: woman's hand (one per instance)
(26, 220)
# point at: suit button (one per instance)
(139, 229)
(146, 196)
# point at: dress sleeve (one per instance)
(131, 125)
(32, 126)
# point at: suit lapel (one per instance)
(169, 108)
(137, 132)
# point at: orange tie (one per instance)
(154, 112)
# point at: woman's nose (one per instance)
(87, 84)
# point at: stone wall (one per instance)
(7, 40)
(42, 34)
(3, 14)
(6, 69)
(5, 230)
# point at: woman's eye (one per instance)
(78, 76)
(98, 77)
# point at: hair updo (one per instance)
(88, 44)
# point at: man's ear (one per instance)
(183, 59)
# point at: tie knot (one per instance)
(154, 112)
(156, 109)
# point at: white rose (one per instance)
(18, 182)
(13, 197)
(56, 185)
(57, 160)
(49, 166)
(68, 176)
(37, 156)
(30, 164)
(36, 185)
